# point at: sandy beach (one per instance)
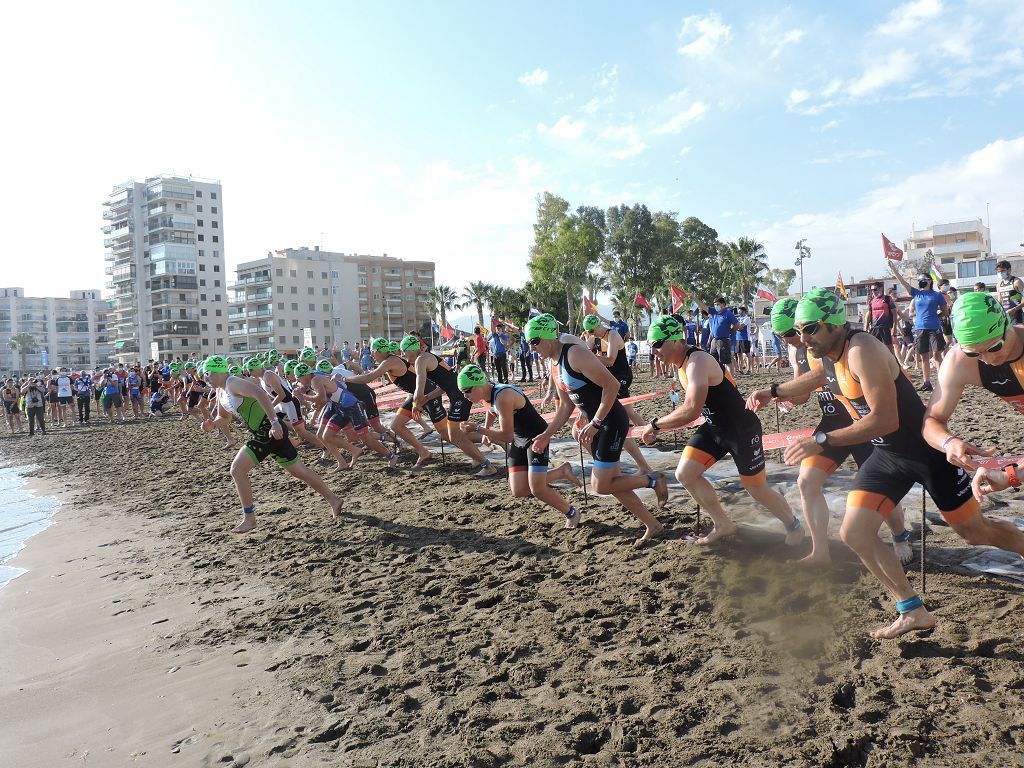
(442, 622)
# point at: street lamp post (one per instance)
(805, 253)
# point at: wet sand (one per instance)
(442, 622)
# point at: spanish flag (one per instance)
(840, 288)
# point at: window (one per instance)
(202, 312)
(279, 272)
(312, 307)
(216, 255)
(206, 342)
(199, 209)
(214, 225)
(280, 289)
(216, 239)
(213, 209)
(280, 305)
(295, 323)
(217, 298)
(202, 283)
(202, 297)
(202, 267)
(327, 307)
(334, 273)
(323, 275)
(213, 195)
(323, 291)
(220, 342)
(216, 283)
(312, 322)
(309, 290)
(295, 289)
(184, 342)
(986, 268)
(337, 321)
(200, 238)
(202, 253)
(218, 315)
(947, 260)
(334, 290)
(199, 193)
(309, 274)
(967, 269)
(282, 339)
(280, 323)
(177, 206)
(220, 326)
(203, 326)
(199, 222)
(292, 273)
(295, 339)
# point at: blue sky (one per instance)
(427, 130)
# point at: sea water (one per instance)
(22, 515)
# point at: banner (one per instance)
(936, 272)
(678, 298)
(764, 293)
(447, 332)
(840, 288)
(589, 307)
(784, 439)
(889, 249)
(640, 301)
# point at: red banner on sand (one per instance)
(784, 439)
(997, 462)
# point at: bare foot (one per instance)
(903, 551)
(336, 507)
(918, 620)
(716, 535)
(572, 522)
(393, 460)
(247, 524)
(565, 472)
(422, 461)
(795, 536)
(356, 453)
(650, 534)
(661, 489)
(342, 466)
(815, 562)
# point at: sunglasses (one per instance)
(994, 348)
(790, 333)
(533, 342)
(810, 329)
(465, 390)
(658, 344)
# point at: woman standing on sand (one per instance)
(12, 412)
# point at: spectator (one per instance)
(618, 324)
(479, 347)
(35, 407)
(525, 359)
(499, 353)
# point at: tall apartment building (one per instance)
(338, 296)
(68, 332)
(166, 268)
(962, 249)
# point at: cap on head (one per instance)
(392, 348)
(235, 370)
(252, 364)
(308, 355)
(820, 304)
(541, 327)
(289, 366)
(324, 366)
(783, 315)
(665, 328)
(301, 369)
(590, 322)
(190, 366)
(471, 376)
(273, 357)
(977, 317)
(273, 353)
(379, 345)
(409, 344)
(201, 368)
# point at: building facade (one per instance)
(66, 332)
(962, 250)
(164, 240)
(337, 296)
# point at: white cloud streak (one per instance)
(701, 36)
(533, 79)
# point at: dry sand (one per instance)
(442, 622)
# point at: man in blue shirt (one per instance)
(930, 308)
(721, 324)
(617, 324)
(691, 328)
(499, 353)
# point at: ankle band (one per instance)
(905, 536)
(910, 604)
(249, 510)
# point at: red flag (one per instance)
(890, 250)
(447, 332)
(678, 299)
(764, 293)
(589, 307)
(511, 325)
(640, 301)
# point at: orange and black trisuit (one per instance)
(729, 427)
(407, 383)
(902, 457)
(833, 416)
(1006, 381)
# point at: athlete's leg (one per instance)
(631, 446)
(810, 482)
(775, 503)
(243, 464)
(452, 431)
(983, 531)
(609, 480)
(314, 481)
(398, 426)
(690, 474)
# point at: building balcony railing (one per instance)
(161, 194)
(238, 331)
(250, 280)
(242, 315)
(255, 296)
(119, 202)
(160, 315)
(175, 328)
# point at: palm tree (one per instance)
(443, 299)
(594, 283)
(745, 263)
(478, 293)
(21, 343)
(624, 300)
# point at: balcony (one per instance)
(119, 203)
(264, 295)
(176, 283)
(242, 315)
(175, 314)
(175, 328)
(164, 299)
(159, 193)
(175, 221)
(257, 279)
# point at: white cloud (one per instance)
(895, 67)
(680, 120)
(701, 35)
(627, 138)
(565, 128)
(953, 191)
(778, 41)
(829, 125)
(537, 77)
(908, 17)
(796, 97)
(685, 151)
(842, 157)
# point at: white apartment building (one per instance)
(962, 249)
(339, 297)
(68, 332)
(165, 264)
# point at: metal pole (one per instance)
(778, 426)
(924, 528)
(697, 524)
(441, 438)
(583, 472)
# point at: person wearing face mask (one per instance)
(929, 309)
(951, 294)
(1011, 292)
(721, 325)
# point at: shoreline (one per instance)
(95, 666)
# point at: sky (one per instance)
(427, 130)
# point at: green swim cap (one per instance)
(392, 348)
(175, 368)
(235, 370)
(201, 368)
(308, 355)
(273, 357)
(379, 344)
(190, 366)
(590, 322)
(471, 376)
(324, 366)
(301, 369)
(541, 327)
(977, 317)
(273, 353)
(252, 364)
(409, 343)
(820, 304)
(289, 366)
(784, 315)
(665, 328)
(215, 364)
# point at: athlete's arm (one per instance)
(273, 381)
(381, 370)
(699, 369)
(243, 388)
(876, 370)
(615, 344)
(792, 390)
(900, 278)
(1019, 285)
(421, 380)
(584, 361)
(505, 403)
(955, 373)
(562, 414)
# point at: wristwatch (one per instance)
(1011, 473)
(821, 438)
(774, 390)
(654, 424)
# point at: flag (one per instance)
(511, 325)
(534, 312)
(640, 301)
(447, 332)
(589, 307)
(889, 249)
(936, 272)
(678, 298)
(840, 288)
(764, 293)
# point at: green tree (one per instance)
(743, 264)
(594, 283)
(21, 343)
(779, 280)
(692, 261)
(478, 293)
(443, 299)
